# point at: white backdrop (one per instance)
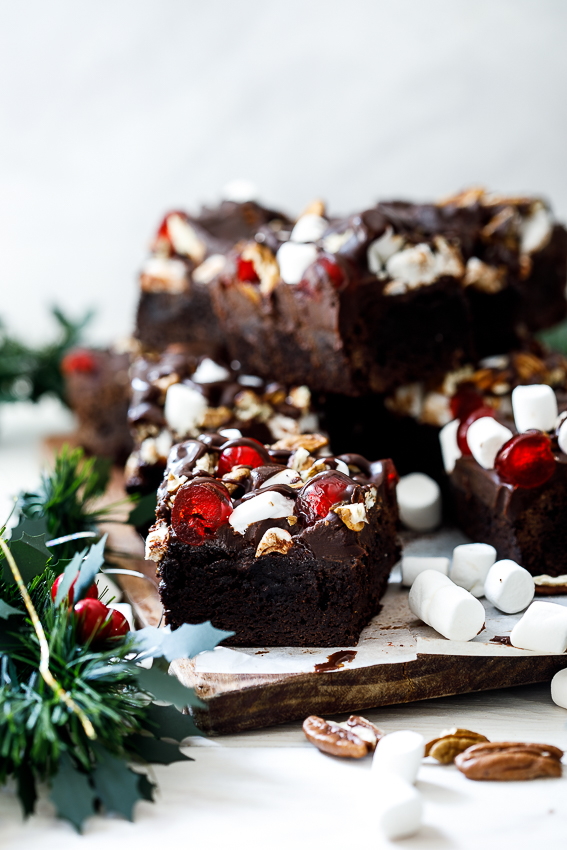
(113, 111)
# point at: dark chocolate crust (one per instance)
(321, 592)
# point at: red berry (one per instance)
(321, 271)
(336, 274)
(246, 272)
(119, 626)
(526, 460)
(466, 424)
(240, 456)
(92, 592)
(317, 497)
(391, 474)
(93, 621)
(465, 400)
(200, 508)
(79, 360)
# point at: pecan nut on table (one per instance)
(506, 761)
(452, 742)
(355, 738)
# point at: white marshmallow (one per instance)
(486, 437)
(534, 406)
(509, 587)
(559, 688)
(268, 505)
(413, 266)
(230, 433)
(397, 808)
(543, 628)
(284, 476)
(450, 610)
(209, 372)
(535, 230)
(293, 259)
(471, 563)
(184, 239)
(399, 754)
(419, 501)
(562, 436)
(184, 407)
(412, 566)
(170, 273)
(450, 451)
(380, 251)
(240, 191)
(309, 228)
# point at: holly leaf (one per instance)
(31, 527)
(27, 792)
(144, 510)
(72, 794)
(166, 688)
(146, 788)
(7, 610)
(116, 784)
(155, 751)
(31, 555)
(70, 574)
(165, 721)
(185, 642)
(89, 568)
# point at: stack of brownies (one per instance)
(275, 356)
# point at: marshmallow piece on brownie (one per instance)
(294, 258)
(419, 501)
(309, 228)
(471, 563)
(450, 450)
(509, 587)
(486, 437)
(267, 505)
(562, 436)
(559, 688)
(399, 754)
(534, 406)
(183, 408)
(450, 610)
(543, 628)
(397, 807)
(412, 566)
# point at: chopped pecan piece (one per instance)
(310, 442)
(505, 761)
(353, 739)
(451, 743)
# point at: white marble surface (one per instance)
(113, 113)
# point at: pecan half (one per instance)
(505, 761)
(310, 442)
(353, 739)
(452, 742)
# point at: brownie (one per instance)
(213, 397)
(175, 304)
(312, 575)
(97, 390)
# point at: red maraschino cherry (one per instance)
(240, 456)
(466, 424)
(79, 360)
(526, 460)
(119, 626)
(322, 270)
(246, 272)
(200, 508)
(465, 401)
(92, 592)
(93, 622)
(317, 497)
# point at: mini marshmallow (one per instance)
(562, 436)
(309, 228)
(184, 407)
(397, 807)
(380, 251)
(471, 563)
(543, 628)
(209, 372)
(509, 587)
(536, 230)
(486, 437)
(294, 258)
(268, 505)
(231, 433)
(284, 476)
(559, 688)
(419, 501)
(450, 610)
(399, 754)
(534, 406)
(412, 566)
(450, 450)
